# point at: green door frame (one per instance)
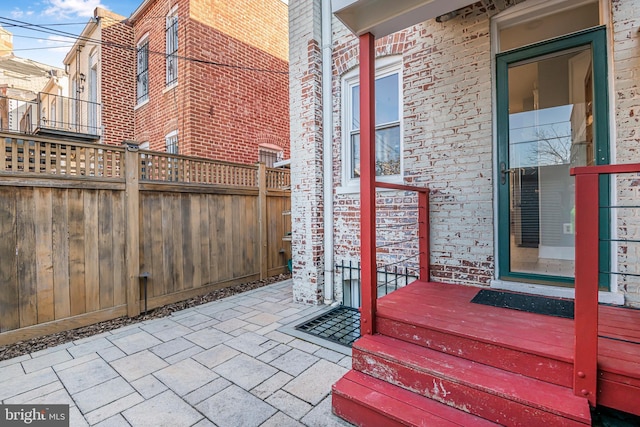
(596, 39)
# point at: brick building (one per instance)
(27, 88)
(212, 78)
(100, 67)
(455, 99)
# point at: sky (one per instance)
(49, 45)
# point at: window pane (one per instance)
(172, 49)
(387, 152)
(172, 143)
(142, 70)
(355, 155)
(355, 109)
(387, 99)
(268, 157)
(550, 130)
(387, 102)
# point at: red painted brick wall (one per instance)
(232, 91)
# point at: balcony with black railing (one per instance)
(51, 115)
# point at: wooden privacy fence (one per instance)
(80, 223)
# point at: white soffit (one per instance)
(383, 17)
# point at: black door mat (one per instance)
(340, 325)
(530, 303)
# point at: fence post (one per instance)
(262, 219)
(132, 233)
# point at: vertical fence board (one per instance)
(105, 248)
(60, 248)
(195, 242)
(3, 153)
(167, 244)
(157, 281)
(216, 205)
(275, 234)
(251, 236)
(188, 236)
(284, 228)
(118, 251)
(176, 241)
(36, 157)
(263, 226)
(9, 297)
(47, 158)
(77, 275)
(237, 242)
(225, 237)
(244, 236)
(275, 231)
(26, 250)
(205, 251)
(145, 236)
(91, 256)
(44, 256)
(14, 155)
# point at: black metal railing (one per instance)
(48, 112)
(390, 278)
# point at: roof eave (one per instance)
(381, 17)
(139, 10)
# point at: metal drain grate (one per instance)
(340, 325)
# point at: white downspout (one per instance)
(327, 149)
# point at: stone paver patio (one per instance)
(228, 363)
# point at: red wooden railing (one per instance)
(370, 283)
(368, 186)
(423, 224)
(586, 274)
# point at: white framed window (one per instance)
(388, 135)
(171, 141)
(269, 156)
(142, 70)
(171, 60)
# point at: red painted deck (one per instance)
(619, 358)
(505, 366)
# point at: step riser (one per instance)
(358, 414)
(364, 400)
(472, 400)
(531, 365)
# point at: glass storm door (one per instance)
(549, 121)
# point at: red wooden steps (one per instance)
(543, 367)
(366, 401)
(503, 397)
(440, 317)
